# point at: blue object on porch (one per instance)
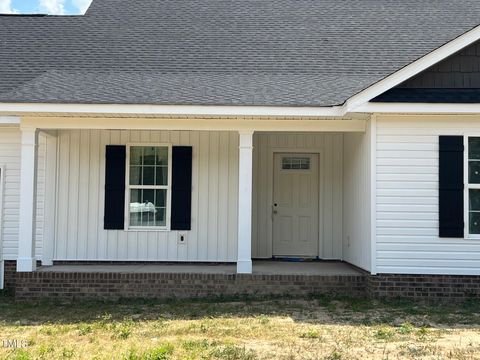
(292, 259)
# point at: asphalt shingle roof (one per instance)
(221, 52)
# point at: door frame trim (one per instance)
(317, 151)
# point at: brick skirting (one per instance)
(69, 286)
(446, 288)
(10, 274)
(40, 285)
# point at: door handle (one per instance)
(274, 209)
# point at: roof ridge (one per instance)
(24, 15)
(40, 15)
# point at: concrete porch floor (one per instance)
(260, 267)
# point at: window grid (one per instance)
(295, 163)
(143, 213)
(472, 188)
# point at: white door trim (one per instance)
(321, 162)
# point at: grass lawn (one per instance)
(314, 328)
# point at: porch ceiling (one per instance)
(307, 124)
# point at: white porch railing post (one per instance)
(244, 257)
(28, 188)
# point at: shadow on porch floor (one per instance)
(260, 267)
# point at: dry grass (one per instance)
(316, 328)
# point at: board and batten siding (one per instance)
(357, 199)
(329, 146)
(80, 199)
(407, 197)
(10, 142)
(460, 71)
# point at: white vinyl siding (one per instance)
(330, 148)
(357, 199)
(10, 159)
(407, 197)
(79, 227)
(41, 189)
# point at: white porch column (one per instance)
(244, 260)
(28, 188)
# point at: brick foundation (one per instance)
(39, 285)
(69, 286)
(434, 288)
(10, 274)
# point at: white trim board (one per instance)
(417, 108)
(2, 262)
(9, 120)
(373, 195)
(221, 124)
(202, 110)
(2, 274)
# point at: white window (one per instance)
(295, 163)
(472, 187)
(148, 186)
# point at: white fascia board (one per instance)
(415, 108)
(173, 109)
(9, 120)
(354, 104)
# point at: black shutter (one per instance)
(114, 215)
(450, 185)
(181, 188)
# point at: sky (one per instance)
(51, 7)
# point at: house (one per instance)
(156, 147)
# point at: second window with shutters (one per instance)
(148, 186)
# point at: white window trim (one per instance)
(467, 186)
(128, 187)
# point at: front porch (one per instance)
(234, 167)
(260, 267)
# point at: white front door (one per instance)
(295, 205)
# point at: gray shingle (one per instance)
(216, 52)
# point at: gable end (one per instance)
(453, 80)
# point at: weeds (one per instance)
(385, 333)
(405, 329)
(160, 353)
(280, 328)
(233, 352)
(310, 334)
